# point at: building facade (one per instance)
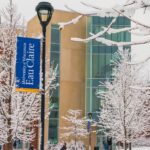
(80, 69)
(69, 58)
(98, 62)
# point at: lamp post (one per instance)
(44, 11)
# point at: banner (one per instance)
(28, 65)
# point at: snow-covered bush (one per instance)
(76, 129)
(143, 141)
(79, 145)
(57, 146)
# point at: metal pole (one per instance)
(43, 88)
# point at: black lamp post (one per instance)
(44, 12)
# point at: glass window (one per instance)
(53, 123)
(55, 92)
(94, 42)
(98, 66)
(96, 49)
(114, 37)
(120, 20)
(88, 66)
(108, 59)
(95, 66)
(96, 29)
(54, 105)
(88, 94)
(55, 47)
(114, 49)
(108, 20)
(127, 37)
(96, 20)
(88, 82)
(108, 66)
(127, 22)
(53, 129)
(108, 49)
(102, 49)
(54, 101)
(95, 82)
(102, 21)
(95, 100)
(108, 36)
(55, 36)
(54, 113)
(98, 58)
(55, 58)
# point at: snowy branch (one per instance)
(126, 10)
(135, 21)
(73, 21)
(120, 44)
(95, 35)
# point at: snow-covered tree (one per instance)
(128, 8)
(124, 115)
(76, 128)
(19, 112)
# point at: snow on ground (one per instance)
(140, 148)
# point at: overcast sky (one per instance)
(27, 9)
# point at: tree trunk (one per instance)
(75, 138)
(125, 145)
(75, 142)
(124, 122)
(130, 146)
(8, 146)
(125, 134)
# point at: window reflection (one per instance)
(98, 57)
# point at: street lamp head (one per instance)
(44, 11)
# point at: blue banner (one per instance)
(28, 64)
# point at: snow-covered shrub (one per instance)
(143, 141)
(79, 145)
(54, 146)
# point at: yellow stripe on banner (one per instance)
(27, 90)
